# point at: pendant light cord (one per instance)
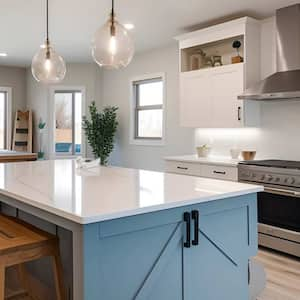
(47, 19)
(47, 31)
(112, 27)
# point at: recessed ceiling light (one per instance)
(129, 26)
(2, 54)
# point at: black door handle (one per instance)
(239, 113)
(195, 217)
(187, 220)
(220, 172)
(182, 168)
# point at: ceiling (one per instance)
(73, 22)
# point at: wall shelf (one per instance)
(202, 56)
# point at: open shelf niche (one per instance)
(210, 55)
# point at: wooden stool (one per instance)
(20, 243)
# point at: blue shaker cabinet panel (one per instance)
(217, 266)
(140, 265)
(142, 257)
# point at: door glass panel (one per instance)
(63, 123)
(150, 123)
(2, 119)
(78, 122)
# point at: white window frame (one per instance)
(8, 91)
(132, 104)
(51, 118)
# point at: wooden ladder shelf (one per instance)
(22, 136)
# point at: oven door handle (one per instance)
(282, 191)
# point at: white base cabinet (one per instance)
(202, 170)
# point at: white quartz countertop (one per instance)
(103, 193)
(210, 160)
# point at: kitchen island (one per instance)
(138, 234)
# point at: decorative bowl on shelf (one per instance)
(235, 153)
(203, 151)
(248, 155)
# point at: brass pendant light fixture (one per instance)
(112, 45)
(47, 66)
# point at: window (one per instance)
(3, 119)
(68, 119)
(148, 114)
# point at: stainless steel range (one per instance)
(279, 204)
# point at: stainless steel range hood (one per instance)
(285, 83)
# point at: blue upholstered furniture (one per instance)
(66, 148)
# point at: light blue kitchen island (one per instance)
(138, 234)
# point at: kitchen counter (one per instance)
(210, 160)
(93, 195)
(16, 156)
(179, 237)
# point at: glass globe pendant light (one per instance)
(112, 45)
(47, 66)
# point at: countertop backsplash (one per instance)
(278, 136)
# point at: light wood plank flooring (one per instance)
(283, 276)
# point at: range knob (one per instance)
(290, 180)
(269, 177)
(263, 177)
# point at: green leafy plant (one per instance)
(236, 45)
(41, 124)
(100, 131)
(41, 127)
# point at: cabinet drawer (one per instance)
(183, 168)
(219, 172)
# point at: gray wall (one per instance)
(116, 91)
(15, 78)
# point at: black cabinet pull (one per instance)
(182, 168)
(195, 217)
(239, 113)
(187, 220)
(220, 172)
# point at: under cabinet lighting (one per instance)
(3, 54)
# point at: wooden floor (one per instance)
(283, 276)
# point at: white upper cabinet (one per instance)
(208, 94)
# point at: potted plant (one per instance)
(41, 127)
(100, 131)
(237, 59)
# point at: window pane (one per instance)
(63, 122)
(151, 93)
(150, 123)
(78, 121)
(2, 119)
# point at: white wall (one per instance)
(116, 91)
(87, 75)
(279, 133)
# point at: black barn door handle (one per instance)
(195, 217)
(187, 220)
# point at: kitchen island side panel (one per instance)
(142, 257)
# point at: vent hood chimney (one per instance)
(285, 83)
